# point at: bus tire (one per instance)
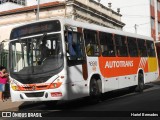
(140, 85)
(95, 90)
(50, 103)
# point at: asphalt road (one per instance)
(117, 105)
(122, 103)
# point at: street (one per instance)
(122, 103)
(117, 103)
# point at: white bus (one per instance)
(63, 59)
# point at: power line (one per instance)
(125, 15)
(135, 5)
(137, 25)
(144, 23)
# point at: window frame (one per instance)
(19, 2)
(134, 47)
(150, 53)
(92, 43)
(72, 62)
(139, 51)
(119, 47)
(152, 23)
(111, 47)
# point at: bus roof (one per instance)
(104, 29)
(92, 27)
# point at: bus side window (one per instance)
(121, 46)
(74, 47)
(107, 45)
(132, 46)
(78, 45)
(91, 42)
(150, 49)
(72, 52)
(142, 47)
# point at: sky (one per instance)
(133, 12)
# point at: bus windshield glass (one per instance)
(36, 55)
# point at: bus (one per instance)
(63, 59)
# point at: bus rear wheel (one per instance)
(140, 86)
(95, 90)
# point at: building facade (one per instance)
(155, 19)
(155, 24)
(80, 10)
(11, 4)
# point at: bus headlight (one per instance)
(55, 85)
(14, 87)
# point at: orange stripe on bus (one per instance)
(120, 66)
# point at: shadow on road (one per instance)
(83, 108)
(79, 103)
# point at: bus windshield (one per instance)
(36, 55)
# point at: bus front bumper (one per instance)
(41, 95)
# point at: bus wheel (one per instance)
(50, 103)
(140, 86)
(95, 90)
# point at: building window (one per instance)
(152, 23)
(158, 27)
(152, 2)
(20, 2)
(158, 6)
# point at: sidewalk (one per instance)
(9, 105)
(15, 106)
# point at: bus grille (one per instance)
(38, 94)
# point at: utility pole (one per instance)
(37, 14)
(135, 27)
